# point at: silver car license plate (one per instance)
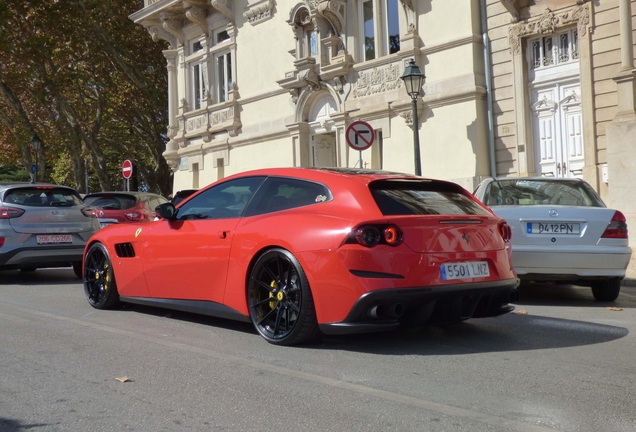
(464, 270)
(553, 228)
(54, 239)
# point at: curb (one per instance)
(628, 282)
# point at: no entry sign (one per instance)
(360, 135)
(126, 169)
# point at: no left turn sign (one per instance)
(360, 135)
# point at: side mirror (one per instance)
(166, 211)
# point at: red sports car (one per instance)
(303, 251)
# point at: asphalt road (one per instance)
(560, 362)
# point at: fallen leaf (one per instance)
(612, 308)
(521, 312)
(123, 379)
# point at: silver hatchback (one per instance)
(43, 225)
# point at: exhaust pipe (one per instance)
(395, 310)
(376, 311)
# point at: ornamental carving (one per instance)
(548, 23)
(377, 80)
(198, 16)
(333, 12)
(173, 25)
(195, 123)
(259, 11)
(226, 7)
(157, 32)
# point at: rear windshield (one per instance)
(43, 196)
(541, 192)
(111, 201)
(417, 197)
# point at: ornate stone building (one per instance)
(563, 93)
(261, 83)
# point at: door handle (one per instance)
(222, 234)
(558, 167)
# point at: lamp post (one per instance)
(36, 145)
(413, 79)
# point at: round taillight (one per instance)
(392, 235)
(368, 236)
(505, 231)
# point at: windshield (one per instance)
(417, 197)
(541, 192)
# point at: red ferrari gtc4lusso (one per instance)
(304, 251)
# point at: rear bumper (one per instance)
(389, 308)
(580, 262)
(57, 256)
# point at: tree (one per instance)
(90, 83)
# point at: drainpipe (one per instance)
(491, 132)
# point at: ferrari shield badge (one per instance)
(137, 232)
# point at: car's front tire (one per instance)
(606, 290)
(280, 301)
(99, 280)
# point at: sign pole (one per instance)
(360, 158)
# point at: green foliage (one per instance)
(90, 83)
(12, 173)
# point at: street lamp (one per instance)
(36, 145)
(413, 79)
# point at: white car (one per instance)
(561, 232)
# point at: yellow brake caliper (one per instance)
(272, 304)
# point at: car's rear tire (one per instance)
(280, 301)
(99, 279)
(77, 268)
(606, 290)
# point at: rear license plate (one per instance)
(553, 228)
(465, 270)
(54, 239)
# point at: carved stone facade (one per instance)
(301, 78)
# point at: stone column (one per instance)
(621, 144)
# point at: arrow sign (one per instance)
(360, 135)
(126, 169)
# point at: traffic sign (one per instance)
(360, 135)
(126, 169)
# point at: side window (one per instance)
(279, 193)
(379, 24)
(226, 200)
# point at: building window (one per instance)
(306, 35)
(223, 76)
(198, 71)
(221, 85)
(380, 28)
(554, 50)
(198, 85)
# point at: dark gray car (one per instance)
(43, 225)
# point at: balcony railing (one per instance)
(149, 2)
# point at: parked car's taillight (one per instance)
(617, 228)
(1, 241)
(505, 231)
(135, 216)
(371, 235)
(10, 212)
(89, 212)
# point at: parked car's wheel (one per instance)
(279, 299)
(606, 290)
(77, 268)
(99, 280)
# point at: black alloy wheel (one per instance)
(279, 299)
(99, 280)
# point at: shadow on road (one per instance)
(510, 332)
(45, 277)
(547, 294)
